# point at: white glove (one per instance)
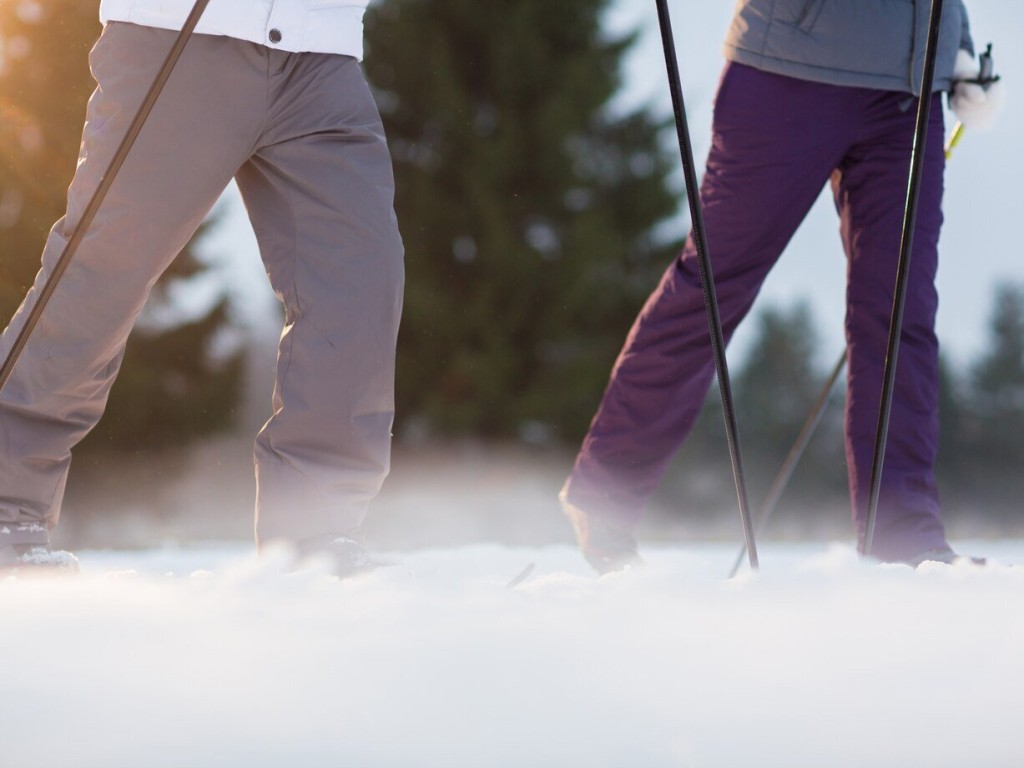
(975, 105)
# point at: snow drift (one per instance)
(213, 658)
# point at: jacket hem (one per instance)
(828, 75)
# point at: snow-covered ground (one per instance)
(207, 656)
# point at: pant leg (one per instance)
(320, 195)
(870, 188)
(775, 143)
(183, 159)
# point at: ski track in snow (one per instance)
(211, 657)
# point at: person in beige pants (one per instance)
(299, 132)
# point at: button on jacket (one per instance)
(317, 26)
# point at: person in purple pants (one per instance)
(813, 92)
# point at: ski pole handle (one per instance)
(985, 67)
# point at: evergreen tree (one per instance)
(775, 391)
(173, 386)
(953, 466)
(529, 209)
(999, 375)
(997, 404)
(779, 379)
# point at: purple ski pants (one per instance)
(776, 142)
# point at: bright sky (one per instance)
(978, 247)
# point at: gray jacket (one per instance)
(864, 43)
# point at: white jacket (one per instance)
(319, 26)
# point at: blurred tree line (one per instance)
(533, 213)
(981, 412)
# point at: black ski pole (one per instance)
(707, 279)
(917, 153)
(106, 181)
(810, 424)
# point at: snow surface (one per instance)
(211, 657)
